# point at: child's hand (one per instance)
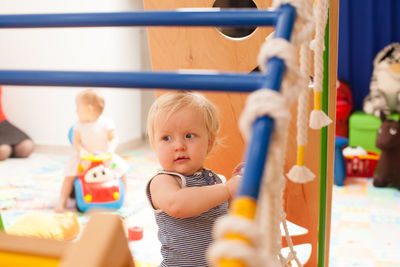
(233, 184)
(238, 170)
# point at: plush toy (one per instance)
(344, 106)
(60, 226)
(388, 141)
(385, 82)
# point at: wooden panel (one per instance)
(333, 60)
(301, 200)
(32, 245)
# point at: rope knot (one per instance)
(293, 80)
(304, 24)
(263, 102)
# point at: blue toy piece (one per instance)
(71, 134)
(340, 166)
(97, 187)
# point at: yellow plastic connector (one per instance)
(231, 263)
(245, 207)
(317, 101)
(300, 155)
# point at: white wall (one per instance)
(46, 113)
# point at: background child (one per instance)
(187, 199)
(13, 141)
(93, 133)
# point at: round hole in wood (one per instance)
(235, 32)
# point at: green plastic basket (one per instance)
(363, 130)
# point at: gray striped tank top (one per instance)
(184, 242)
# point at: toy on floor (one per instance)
(62, 226)
(1, 224)
(97, 186)
(340, 167)
(385, 82)
(388, 141)
(344, 106)
(360, 162)
(135, 233)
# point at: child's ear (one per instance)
(210, 144)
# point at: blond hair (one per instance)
(92, 97)
(173, 101)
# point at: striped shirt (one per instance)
(184, 242)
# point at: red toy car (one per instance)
(97, 185)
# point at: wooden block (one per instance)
(103, 244)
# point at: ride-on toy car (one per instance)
(96, 186)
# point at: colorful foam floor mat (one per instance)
(32, 186)
(365, 226)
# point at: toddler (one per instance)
(186, 198)
(93, 133)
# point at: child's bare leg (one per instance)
(5, 151)
(66, 190)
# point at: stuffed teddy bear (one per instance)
(388, 141)
(385, 82)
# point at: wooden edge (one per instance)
(333, 59)
(32, 245)
(103, 243)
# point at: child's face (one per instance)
(84, 111)
(181, 141)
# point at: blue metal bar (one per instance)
(236, 82)
(211, 17)
(256, 153)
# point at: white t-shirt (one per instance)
(94, 134)
(94, 140)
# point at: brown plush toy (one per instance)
(388, 141)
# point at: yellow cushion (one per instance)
(63, 226)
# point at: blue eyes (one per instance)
(187, 136)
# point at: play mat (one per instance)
(32, 186)
(365, 226)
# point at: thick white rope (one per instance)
(318, 118)
(300, 173)
(292, 253)
(293, 80)
(269, 204)
(226, 249)
(276, 105)
(261, 103)
(234, 249)
(304, 24)
(236, 224)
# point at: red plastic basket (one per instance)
(361, 166)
